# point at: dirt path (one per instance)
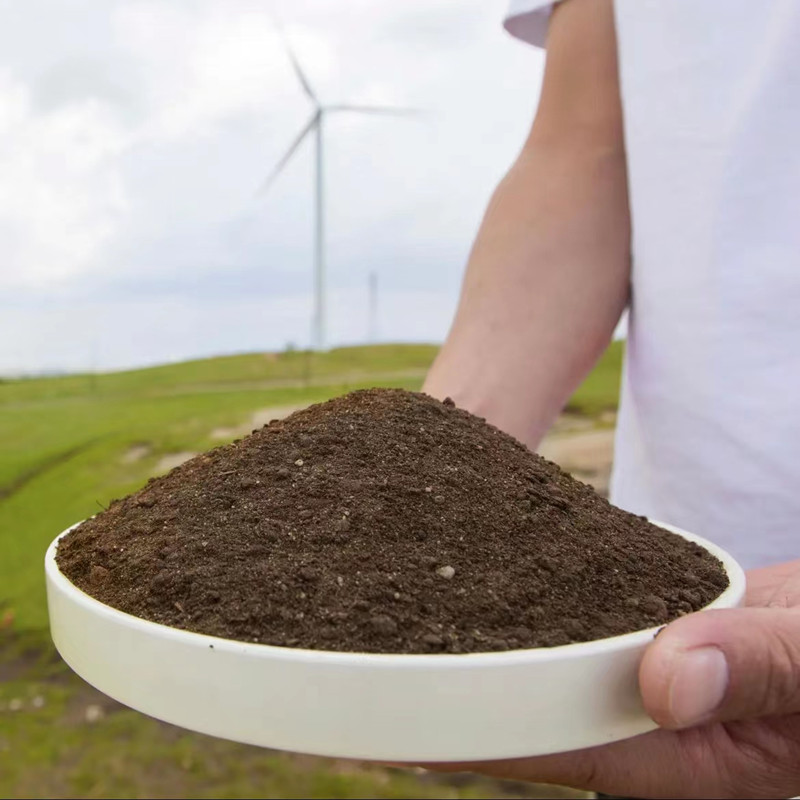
(588, 455)
(256, 420)
(343, 379)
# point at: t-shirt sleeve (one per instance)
(528, 20)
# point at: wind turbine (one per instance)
(314, 127)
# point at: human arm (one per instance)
(548, 277)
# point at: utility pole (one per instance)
(372, 323)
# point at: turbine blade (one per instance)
(397, 111)
(301, 76)
(278, 168)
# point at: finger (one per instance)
(652, 765)
(723, 665)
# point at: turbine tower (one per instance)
(314, 127)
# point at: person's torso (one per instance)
(709, 426)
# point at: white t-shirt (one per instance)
(709, 426)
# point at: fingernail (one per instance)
(698, 685)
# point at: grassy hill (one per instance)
(67, 446)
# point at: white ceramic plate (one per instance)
(356, 705)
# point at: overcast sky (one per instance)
(133, 135)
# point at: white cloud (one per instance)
(133, 134)
(204, 63)
(60, 197)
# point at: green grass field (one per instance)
(63, 446)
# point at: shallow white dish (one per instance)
(356, 705)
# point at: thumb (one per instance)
(723, 665)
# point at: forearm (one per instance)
(547, 281)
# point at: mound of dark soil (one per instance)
(385, 521)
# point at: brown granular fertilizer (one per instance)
(385, 521)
